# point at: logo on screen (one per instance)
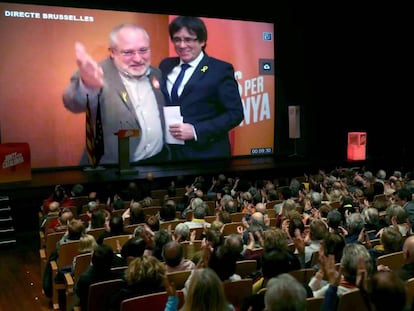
(266, 66)
(267, 36)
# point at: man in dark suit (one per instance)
(208, 96)
(129, 94)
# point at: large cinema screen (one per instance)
(38, 60)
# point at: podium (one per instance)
(123, 150)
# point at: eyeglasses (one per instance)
(131, 53)
(186, 40)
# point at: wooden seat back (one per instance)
(173, 223)
(231, 227)
(245, 268)
(100, 294)
(83, 261)
(237, 291)
(303, 275)
(153, 302)
(116, 241)
(352, 300)
(393, 260)
(314, 303)
(236, 217)
(179, 278)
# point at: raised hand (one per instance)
(90, 72)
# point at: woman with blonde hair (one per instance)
(87, 244)
(203, 291)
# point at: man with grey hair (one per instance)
(372, 221)
(256, 225)
(355, 223)
(181, 232)
(284, 292)
(198, 221)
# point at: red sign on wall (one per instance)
(15, 162)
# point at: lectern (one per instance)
(123, 150)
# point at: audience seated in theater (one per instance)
(144, 275)
(383, 291)
(87, 244)
(193, 202)
(99, 270)
(261, 208)
(117, 203)
(99, 219)
(92, 206)
(407, 270)
(224, 217)
(199, 212)
(217, 225)
(254, 224)
(317, 232)
(284, 292)
(116, 227)
(391, 241)
(247, 206)
(294, 223)
(235, 245)
(397, 216)
(161, 237)
(134, 247)
(347, 207)
(284, 193)
(372, 221)
(167, 211)
(355, 223)
(77, 190)
(275, 239)
(173, 256)
(352, 253)
(333, 244)
(403, 197)
(203, 288)
(134, 213)
(288, 206)
(274, 263)
(334, 222)
(153, 222)
(75, 229)
(61, 223)
(222, 259)
(181, 232)
(53, 211)
(386, 291)
(230, 205)
(217, 185)
(59, 195)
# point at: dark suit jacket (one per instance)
(116, 108)
(211, 102)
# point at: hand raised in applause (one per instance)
(90, 72)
